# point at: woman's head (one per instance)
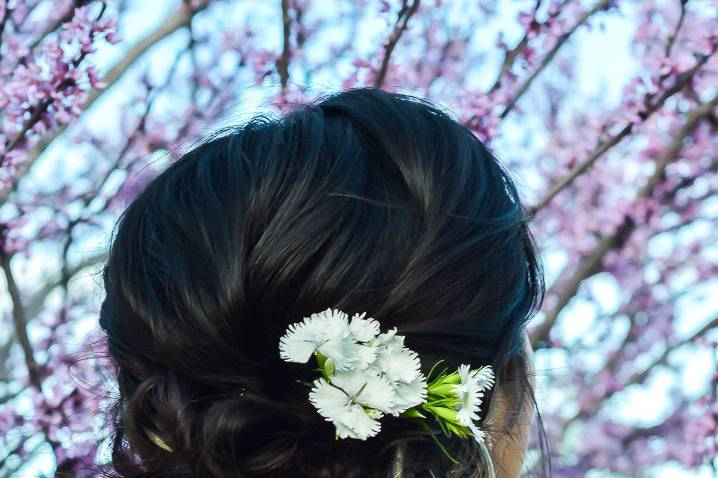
(365, 201)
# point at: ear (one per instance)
(509, 449)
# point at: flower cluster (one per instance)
(367, 374)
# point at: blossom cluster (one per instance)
(367, 374)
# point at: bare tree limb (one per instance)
(20, 320)
(3, 21)
(35, 304)
(639, 377)
(592, 262)
(511, 55)
(283, 60)
(402, 21)
(672, 39)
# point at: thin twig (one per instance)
(511, 55)
(402, 21)
(672, 39)
(174, 22)
(3, 21)
(603, 146)
(20, 320)
(598, 6)
(639, 377)
(283, 60)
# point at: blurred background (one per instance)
(604, 112)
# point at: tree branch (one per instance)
(3, 21)
(600, 5)
(283, 60)
(174, 22)
(35, 304)
(57, 24)
(402, 21)
(641, 376)
(20, 320)
(591, 264)
(672, 39)
(511, 55)
(651, 107)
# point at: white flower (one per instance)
(327, 332)
(348, 416)
(409, 394)
(478, 433)
(367, 373)
(365, 356)
(399, 365)
(301, 341)
(470, 392)
(389, 340)
(363, 329)
(367, 388)
(353, 401)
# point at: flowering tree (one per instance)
(621, 189)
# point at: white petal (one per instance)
(300, 341)
(350, 419)
(479, 434)
(464, 372)
(399, 364)
(365, 355)
(367, 388)
(484, 377)
(328, 400)
(409, 394)
(342, 350)
(363, 329)
(359, 424)
(470, 392)
(335, 323)
(389, 340)
(466, 415)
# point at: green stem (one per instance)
(428, 376)
(436, 440)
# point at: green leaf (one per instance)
(428, 376)
(459, 430)
(442, 389)
(444, 413)
(412, 413)
(449, 402)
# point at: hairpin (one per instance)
(154, 438)
(366, 375)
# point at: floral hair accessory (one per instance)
(366, 374)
